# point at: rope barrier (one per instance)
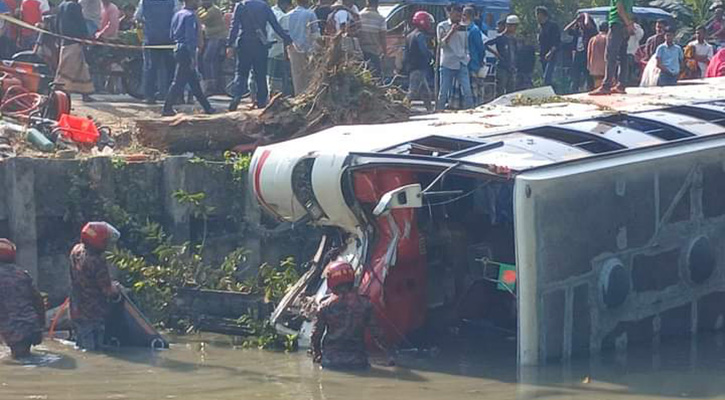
(90, 42)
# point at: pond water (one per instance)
(466, 366)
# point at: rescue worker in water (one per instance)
(22, 309)
(338, 331)
(92, 290)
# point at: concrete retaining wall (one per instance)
(41, 200)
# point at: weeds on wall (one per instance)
(153, 266)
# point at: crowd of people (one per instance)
(457, 63)
(599, 58)
(184, 40)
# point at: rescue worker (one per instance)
(22, 310)
(338, 332)
(92, 290)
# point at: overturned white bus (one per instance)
(583, 226)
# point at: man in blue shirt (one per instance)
(304, 31)
(670, 59)
(249, 35)
(185, 33)
(477, 51)
(158, 64)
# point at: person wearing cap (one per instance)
(549, 42)
(341, 322)
(22, 309)
(92, 289)
(670, 60)
(418, 59)
(454, 58)
(505, 48)
(621, 26)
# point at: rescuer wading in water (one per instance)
(22, 310)
(92, 290)
(338, 332)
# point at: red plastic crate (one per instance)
(78, 129)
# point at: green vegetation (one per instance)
(264, 336)
(151, 263)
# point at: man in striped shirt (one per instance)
(372, 36)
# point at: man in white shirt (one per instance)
(343, 12)
(304, 31)
(632, 45)
(703, 50)
(454, 58)
(279, 74)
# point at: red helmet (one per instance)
(99, 235)
(339, 273)
(423, 21)
(7, 251)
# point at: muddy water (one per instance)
(470, 367)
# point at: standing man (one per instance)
(127, 21)
(582, 29)
(185, 33)
(505, 48)
(249, 35)
(596, 61)
(157, 64)
(91, 287)
(419, 59)
(373, 37)
(31, 14)
(322, 11)
(92, 10)
(477, 52)
(215, 33)
(341, 322)
(279, 71)
(453, 43)
(549, 41)
(621, 27)
(703, 51)
(632, 45)
(73, 73)
(654, 41)
(304, 31)
(110, 21)
(22, 310)
(670, 60)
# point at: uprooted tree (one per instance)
(342, 91)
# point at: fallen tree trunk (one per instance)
(199, 132)
(342, 92)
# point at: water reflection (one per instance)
(467, 366)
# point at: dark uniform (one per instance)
(22, 313)
(342, 320)
(90, 293)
